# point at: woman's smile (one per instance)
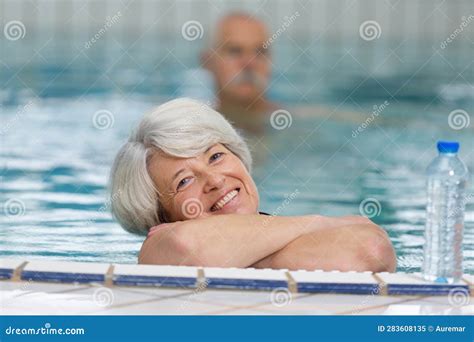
(227, 203)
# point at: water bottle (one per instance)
(447, 182)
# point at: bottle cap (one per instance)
(448, 146)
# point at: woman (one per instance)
(185, 172)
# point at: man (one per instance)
(241, 67)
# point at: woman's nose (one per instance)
(214, 181)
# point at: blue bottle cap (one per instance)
(448, 146)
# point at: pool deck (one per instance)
(63, 288)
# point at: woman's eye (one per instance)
(216, 156)
(182, 182)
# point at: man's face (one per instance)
(240, 64)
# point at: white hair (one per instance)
(181, 128)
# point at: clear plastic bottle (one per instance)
(447, 182)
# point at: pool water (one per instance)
(330, 160)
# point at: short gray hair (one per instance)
(181, 128)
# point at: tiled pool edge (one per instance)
(202, 278)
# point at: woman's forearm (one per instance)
(241, 240)
(356, 247)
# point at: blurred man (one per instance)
(241, 67)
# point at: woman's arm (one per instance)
(225, 240)
(303, 242)
(355, 247)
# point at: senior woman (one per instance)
(184, 179)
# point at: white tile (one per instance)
(67, 267)
(327, 304)
(10, 264)
(109, 297)
(79, 300)
(172, 306)
(456, 299)
(163, 292)
(33, 286)
(231, 297)
(333, 277)
(469, 278)
(156, 270)
(408, 279)
(245, 273)
(242, 312)
(19, 302)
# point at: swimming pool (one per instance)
(339, 156)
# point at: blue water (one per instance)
(55, 162)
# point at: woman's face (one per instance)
(213, 183)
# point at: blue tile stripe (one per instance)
(6, 273)
(236, 283)
(245, 283)
(132, 280)
(338, 288)
(62, 277)
(403, 289)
